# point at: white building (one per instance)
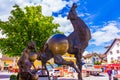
(113, 52)
(93, 58)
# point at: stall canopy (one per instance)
(113, 65)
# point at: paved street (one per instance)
(6, 75)
(100, 77)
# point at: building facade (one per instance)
(92, 58)
(113, 52)
(6, 61)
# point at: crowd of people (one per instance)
(113, 72)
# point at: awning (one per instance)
(113, 65)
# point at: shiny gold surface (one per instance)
(58, 44)
(32, 56)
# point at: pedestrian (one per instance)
(104, 68)
(115, 71)
(52, 76)
(109, 71)
(118, 70)
(55, 78)
(0, 68)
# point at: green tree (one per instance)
(23, 26)
(97, 63)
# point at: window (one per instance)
(118, 44)
(118, 51)
(111, 58)
(119, 58)
(111, 52)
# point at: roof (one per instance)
(103, 55)
(6, 58)
(90, 55)
(107, 47)
(116, 39)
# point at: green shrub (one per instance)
(13, 77)
(97, 63)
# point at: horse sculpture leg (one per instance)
(44, 65)
(79, 64)
(59, 60)
(47, 73)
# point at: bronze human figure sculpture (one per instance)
(26, 61)
(79, 38)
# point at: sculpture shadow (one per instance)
(4, 76)
(99, 75)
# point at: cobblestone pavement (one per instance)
(102, 76)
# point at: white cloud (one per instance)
(85, 53)
(7, 5)
(81, 15)
(2, 36)
(72, 1)
(5, 8)
(65, 25)
(106, 34)
(48, 6)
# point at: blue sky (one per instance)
(101, 16)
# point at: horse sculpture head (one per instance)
(72, 14)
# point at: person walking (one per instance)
(0, 68)
(109, 71)
(118, 70)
